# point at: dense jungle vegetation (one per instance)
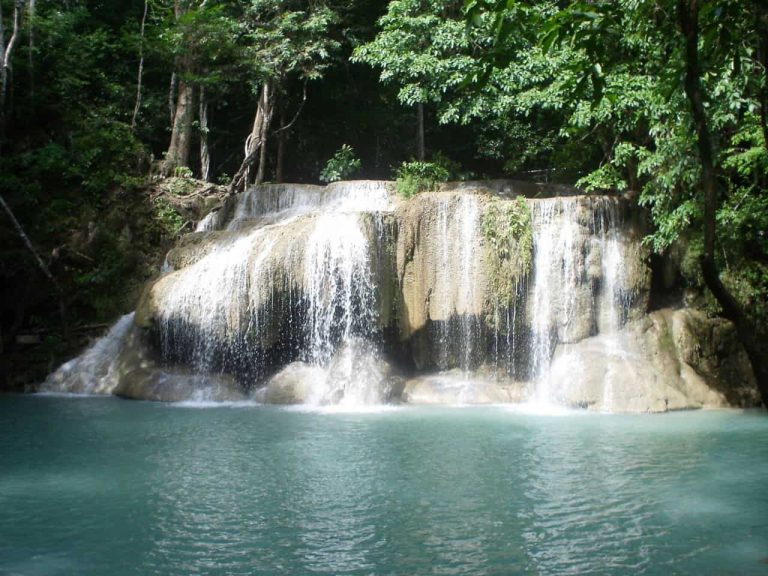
(664, 100)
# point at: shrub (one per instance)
(341, 165)
(415, 177)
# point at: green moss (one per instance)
(508, 231)
(666, 341)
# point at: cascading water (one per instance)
(305, 294)
(341, 310)
(222, 297)
(341, 298)
(578, 287)
(290, 279)
(283, 202)
(469, 224)
(554, 286)
(95, 371)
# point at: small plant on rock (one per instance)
(507, 228)
(341, 165)
(415, 177)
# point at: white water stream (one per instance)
(578, 289)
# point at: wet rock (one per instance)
(291, 385)
(355, 376)
(441, 268)
(167, 386)
(668, 360)
(455, 387)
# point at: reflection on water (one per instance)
(102, 486)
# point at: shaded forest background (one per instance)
(665, 100)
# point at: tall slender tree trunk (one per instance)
(205, 154)
(172, 96)
(420, 150)
(181, 135)
(182, 112)
(253, 141)
(262, 170)
(282, 135)
(140, 74)
(256, 139)
(6, 52)
(748, 332)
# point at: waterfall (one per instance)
(506, 335)
(282, 202)
(346, 295)
(578, 288)
(341, 294)
(217, 302)
(555, 280)
(469, 225)
(95, 371)
(292, 278)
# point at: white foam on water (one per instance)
(204, 404)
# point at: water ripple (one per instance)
(103, 486)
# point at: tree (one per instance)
(202, 40)
(424, 49)
(471, 76)
(285, 40)
(688, 15)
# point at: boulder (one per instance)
(457, 387)
(356, 375)
(668, 360)
(291, 385)
(177, 386)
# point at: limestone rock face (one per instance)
(668, 360)
(441, 266)
(710, 346)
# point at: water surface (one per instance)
(95, 486)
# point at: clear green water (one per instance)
(111, 487)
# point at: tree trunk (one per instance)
(420, 151)
(262, 170)
(172, 96)
(281, 137)
(256, 139)
(205, 155)
(688, 14)
(181, 136)
(141, 67)
(6, 52)
(28, 244)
